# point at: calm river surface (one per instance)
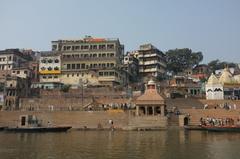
(168, 144)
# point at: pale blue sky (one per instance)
(210, 26)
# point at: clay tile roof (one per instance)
(151, 97)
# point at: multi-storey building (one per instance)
(95, 61)
(15, 88)
(50, 67)
(131, 66)
(152, 62)
(10, 59)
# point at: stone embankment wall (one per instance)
(83, 119)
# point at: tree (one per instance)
(65, 88)
(181, 59)
(217, 64)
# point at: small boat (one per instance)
(231, 128)
(2, 128)
(39, 129)
(194, 127)
(30, 123)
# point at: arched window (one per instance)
(56, 61)
(43, 60)
(50, 60)
(49, 68)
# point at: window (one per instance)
(78, 66)
(56, 68)
(77, 74)
(102, 47)
(18, 72)
(73, 75)
(77, 47)
(55, 76)
(100, 73)
(85, 47)
(73, 66)
(94, 47)
(49, 68)
(25, 72)
(68, 48)
(14, 71)
(105, 73)
(44, 77)
(111, 73)
(110, 46)
(43, 68)
(68, 66)
(83, 66)
(67, 75)
(49, 77)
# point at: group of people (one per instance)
(223, 106)
(218, 121)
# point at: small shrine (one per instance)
(151, 102)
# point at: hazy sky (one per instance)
(210, 26)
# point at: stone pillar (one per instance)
(162, 110)
(137, 110)
(146, 110)
(153, 110)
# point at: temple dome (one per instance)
(237, 78)
(150, 95)
(151, 82)
(226, 77)
(212, 80)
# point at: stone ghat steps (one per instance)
(182, 103)
(195, 114)
(173, 120)
(148, 121)
(189, 103)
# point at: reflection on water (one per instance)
(173, 143)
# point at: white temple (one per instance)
(226, 86)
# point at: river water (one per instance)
(169, 144)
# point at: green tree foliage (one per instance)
(217, 64)
(180, 59)
(65, 88)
